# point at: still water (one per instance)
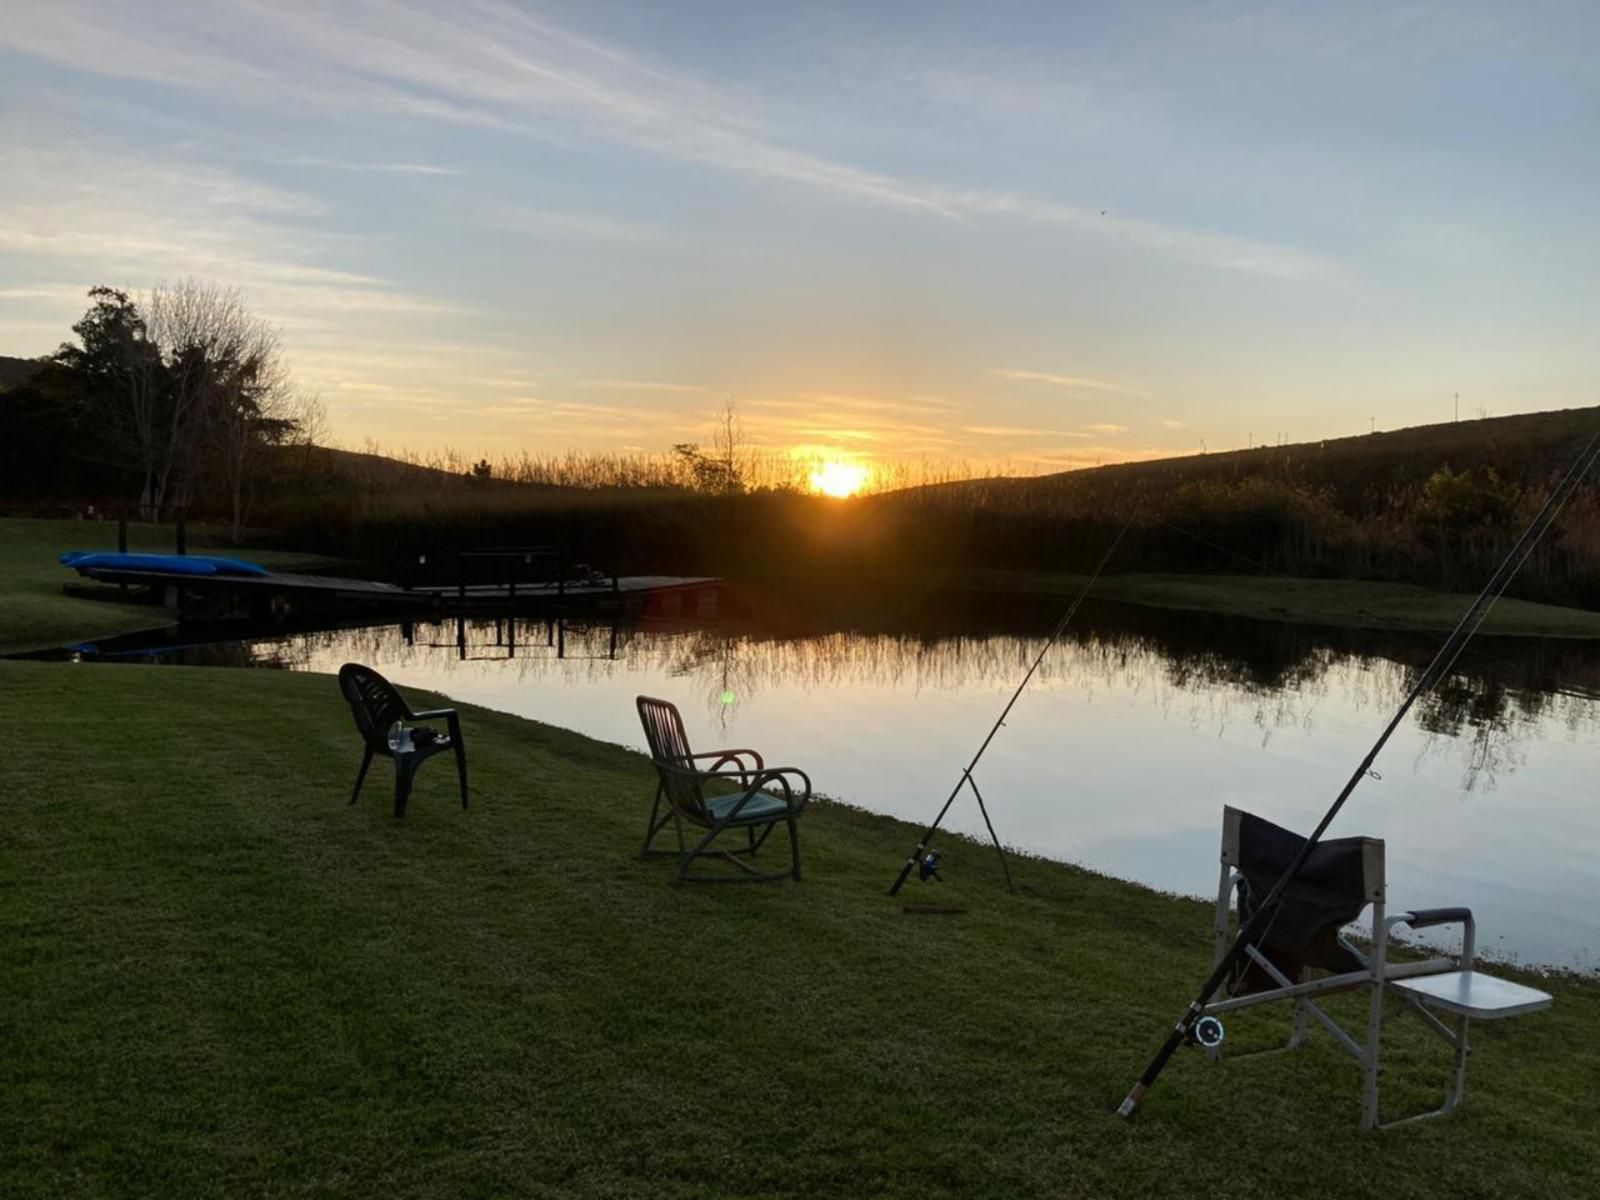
(1138, 728)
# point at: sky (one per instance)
(1024, 236)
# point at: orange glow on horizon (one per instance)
(839, 480)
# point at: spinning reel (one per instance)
(928, 867)
(1207, 1033)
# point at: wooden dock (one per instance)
(622, 585)
(281, 595)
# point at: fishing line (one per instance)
(966, 779)
(1245, 558)
(1441, 664)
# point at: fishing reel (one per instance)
(928, 868)
(1207, 1033)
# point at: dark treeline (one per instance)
(176, 401)
(182, 402)
(1433, 507)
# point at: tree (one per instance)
(121, 377)
(1462, 502)
(244, 409)
(190, 383)
(725, 469)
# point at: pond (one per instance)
(1138, 728)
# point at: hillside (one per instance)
(1435, 505)
(1359, 474)
(377, 470)
(14, 370)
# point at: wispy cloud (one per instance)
(1067, 381)
(1211, 248)
(95, 210)
(380, 168)
(1019, 431)
(494, 65)
(639, 385)
(1107, 428)
(506, 383)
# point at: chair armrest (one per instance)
(1426, 918)
(778, 775)
(722, 756)
(432, 714)
(753, 782)
(1422, 918)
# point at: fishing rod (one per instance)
(1435, 670)
(966, 775)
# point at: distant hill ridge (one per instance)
(1359, 471)
(14, 370)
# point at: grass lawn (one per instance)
(218, 980)
(1345, 603)
(34, 614)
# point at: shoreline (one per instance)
(1330, 603)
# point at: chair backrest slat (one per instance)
(669, 746)
(373, 702)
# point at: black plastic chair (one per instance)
(377, 708)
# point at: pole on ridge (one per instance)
(1442, 661)
(966, 774)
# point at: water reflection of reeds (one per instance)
(1206, 672)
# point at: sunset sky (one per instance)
(1041, 235)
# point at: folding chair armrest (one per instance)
(1422, 918)
(1426, 918)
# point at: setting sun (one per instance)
(838, 479)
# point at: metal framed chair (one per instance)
(389, 727)
(1307, 936)
(682, 799)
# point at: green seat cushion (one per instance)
(760, 807)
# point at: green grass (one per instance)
(218, 980)
(37, 614)
(1346, 603)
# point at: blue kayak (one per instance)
(163, 564)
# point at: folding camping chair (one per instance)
(1341, 877)
(680, 790)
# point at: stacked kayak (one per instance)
(85, 561)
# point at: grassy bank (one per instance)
(217, 979)
(35, 613)
(1342, 603)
